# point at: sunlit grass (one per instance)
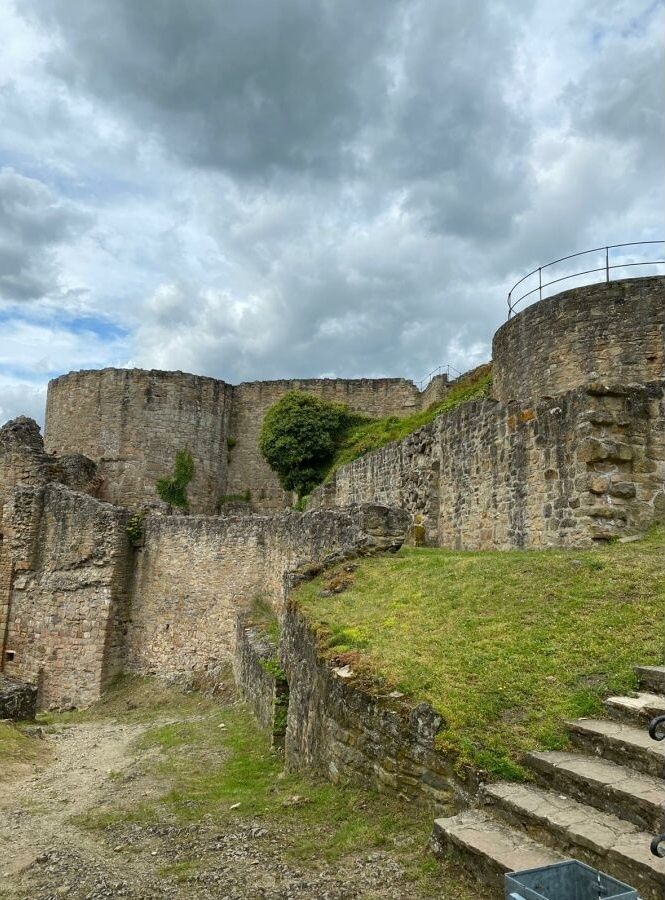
(505, 645)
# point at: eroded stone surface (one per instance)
(591, 833)
(494, 846)
(624, 744)
(18, 700)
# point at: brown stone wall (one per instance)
(133, 422)
(195, 573)
(71, 556)
(260, 678)
(588, 464)
(375, 397)
(604, 332)
(345, 732)
(25, 464)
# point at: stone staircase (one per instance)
(601, 804)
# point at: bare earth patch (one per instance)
(188, 801)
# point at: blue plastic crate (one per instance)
(570, 880)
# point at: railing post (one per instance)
(607, 265)
(540, 283)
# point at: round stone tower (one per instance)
(132, 422)
(612, 332)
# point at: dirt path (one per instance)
(147, 853)
(35, 832)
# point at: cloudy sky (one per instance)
(258, 189)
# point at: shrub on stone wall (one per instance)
(299, 437)
(173, 490)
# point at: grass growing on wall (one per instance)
(375, 433)
(505, 645)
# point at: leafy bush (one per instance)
(300, 436)
(173, 490)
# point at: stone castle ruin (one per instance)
(570, 449)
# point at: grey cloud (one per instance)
(307, 188)
(33, 221)
(238, 85)
(21, 399)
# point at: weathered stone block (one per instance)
(18, 700)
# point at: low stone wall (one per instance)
(588, 464)
(18, 700)
(195, 573)
(346, 733)
(260, 678)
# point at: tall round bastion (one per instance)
(610, 332)
(132, 422)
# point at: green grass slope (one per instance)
(372, 434)
(505, 645)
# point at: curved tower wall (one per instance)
(132, 423)
(603, 332)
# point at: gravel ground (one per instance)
(44, 855)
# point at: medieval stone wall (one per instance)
(588, 464)
(603, 332)
(64, 623)
(260, 678)
(195, 573)
(376, 397)
(133, 422)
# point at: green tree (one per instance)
(299, 436)
(173, 490)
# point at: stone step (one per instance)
(636, 710)
(631, 795)
(582, 832)
(623, 744)
(488, 847)
(652, 678)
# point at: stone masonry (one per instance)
(570, 460)
(585, 465)
(604, 332)
(194, 574)
(132, 423)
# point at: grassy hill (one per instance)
(505, 645)
(371, 434)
